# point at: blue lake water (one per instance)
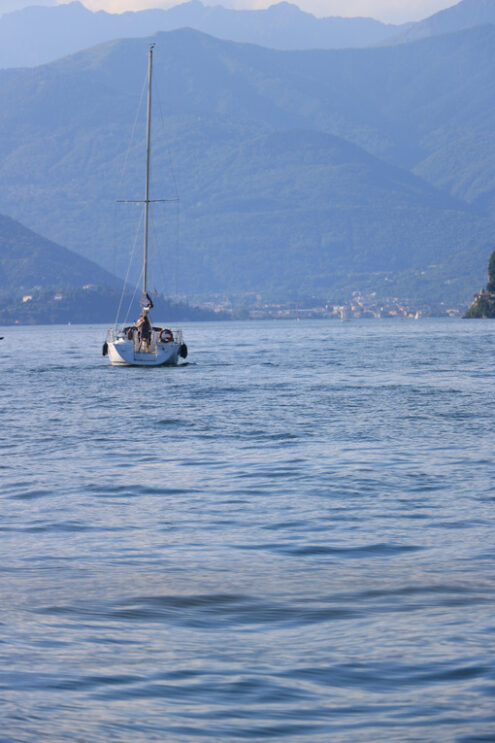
(290, 538)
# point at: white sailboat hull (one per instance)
(122, 352)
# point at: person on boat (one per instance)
(144, 327)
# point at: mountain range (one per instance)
(7, 6)
(42, 282)
(29, 261)
(461, 16)
(57, 31)
(319, 171)
(45, 31)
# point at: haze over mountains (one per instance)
(465, 14)
(29, 261)
(56, 31)
(299, 172)
(42, 282)
(7, 6)
(45, 31)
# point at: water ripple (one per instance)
(253, 546)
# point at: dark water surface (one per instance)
(290, 538)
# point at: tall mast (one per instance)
(147, 193)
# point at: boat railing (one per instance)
(177, 336)
(113, 335)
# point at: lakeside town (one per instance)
(253, 307)
(92, 304)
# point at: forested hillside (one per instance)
(312, 171)
(28, 260)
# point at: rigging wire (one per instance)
(121, 178)
(131, 302)
(133, 251)
(162, 276)
(124, 166)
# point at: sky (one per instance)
(392, 11)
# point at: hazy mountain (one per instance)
(28, 260)
(466, 14)
(301, 212)
(92, 304)
(274, 195)
(7, 6)
(36, 35)
(62, 286)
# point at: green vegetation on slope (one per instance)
(293, 168)
(92, 305)
(484, 302)
(29, 261)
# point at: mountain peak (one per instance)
(465, 14)
(286, 8)
(55, 32)
(28, 260)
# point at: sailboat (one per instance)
(143, 344)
